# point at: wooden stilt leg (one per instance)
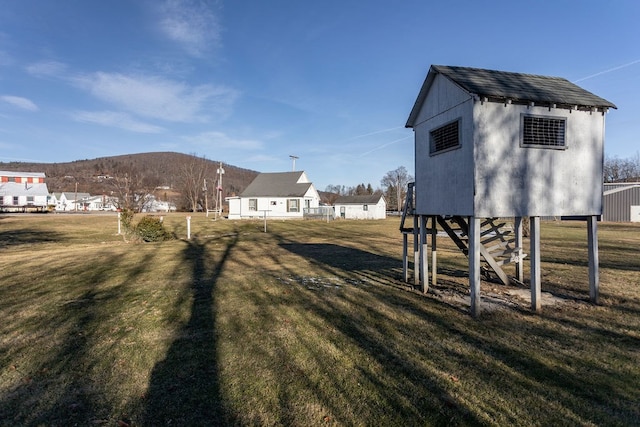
(517, 225)
(594, 268)
(474, 264)
(424, 263)
(434, 257)
(536, 293)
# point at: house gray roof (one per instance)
(277, 184)
(515, 87)
(369, 199)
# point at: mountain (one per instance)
(162, 171)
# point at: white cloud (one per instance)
(47, 69)
(220, 140)
(115, 119)
(192, 23)
(160, 98)
(18, 101)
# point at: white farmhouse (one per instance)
(361, 207)
(275, 195)
(22, 191)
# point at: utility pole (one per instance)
(206, 203)
(294, 162)
(219, 190)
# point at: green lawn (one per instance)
(306, 324)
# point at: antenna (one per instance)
(294, 161)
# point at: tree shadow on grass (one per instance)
(25, 236)
(184, 387)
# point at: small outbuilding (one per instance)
(373, 206)
(282, 195)
(493, 144)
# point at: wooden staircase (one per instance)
(497, 241)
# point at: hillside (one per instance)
(159, 170)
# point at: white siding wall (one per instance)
(444, 182)
(353, 211)
(517, 181)
(491, 174)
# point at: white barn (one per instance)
(499, 144)
(282, 195)
(361, 207)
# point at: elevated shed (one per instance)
(492, 144)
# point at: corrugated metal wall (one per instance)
(616, 206)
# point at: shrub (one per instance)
(126, 218)
(151, 229)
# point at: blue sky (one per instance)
(250, 83)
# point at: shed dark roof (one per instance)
(517, 87)
(277, 184)
(359, 200)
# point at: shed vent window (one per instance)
(549, 132)
(445, 137)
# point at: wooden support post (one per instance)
(594, 268)
(405, 258)
(434, 257)
(416, 252)
(474, 264)
(424, 262)
(536, 293)
(517, 225)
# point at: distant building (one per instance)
(621, 202)
(23, 191)
(361, 207)
(275, 195)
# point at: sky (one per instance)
(253, 82)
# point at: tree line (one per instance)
(393, 186)
(622, 170)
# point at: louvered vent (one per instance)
(540, 131)
(445, 137)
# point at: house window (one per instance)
(15, 200)
(30, 200)
(445, 137)
(253, 204)
(293, 205)
(365, 207)
(545, 132)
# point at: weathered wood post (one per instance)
(594, 268)
(416, 252)
(474, 264)
(534, 239)
(517, 225)
(434, 261)
(424, 261)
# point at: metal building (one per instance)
(621, 202)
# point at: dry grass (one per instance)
(307, 324)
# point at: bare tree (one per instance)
(192, 181)
(622, 170)
(395, 183)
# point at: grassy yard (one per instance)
(306, 324)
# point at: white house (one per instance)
(71, 201)
(500, 144)
(275, 195)
(361, 207)
(22, 191)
